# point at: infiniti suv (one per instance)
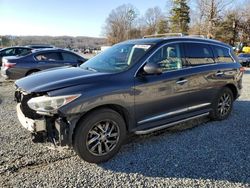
(138, 86)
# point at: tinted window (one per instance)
(169, 57)
(69, 57)
(9, 52)
(51, 56)
(222, 55)
(22, 51)
(198, 54)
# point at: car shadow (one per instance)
(217, 150)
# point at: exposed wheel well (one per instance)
(31, 71)
(233, 89)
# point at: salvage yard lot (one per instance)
(213, 154)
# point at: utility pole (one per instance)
(131, 17)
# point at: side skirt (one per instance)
(139, 132)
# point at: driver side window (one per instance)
(169, 57)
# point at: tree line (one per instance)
(223, 20)
(60, 41)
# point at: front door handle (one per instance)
(219, 73)
(181, 81)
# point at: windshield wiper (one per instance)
(89, 68)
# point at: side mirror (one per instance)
(152, 68)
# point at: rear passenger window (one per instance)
(222, 55)
(23, 51)
(169, 57)
(198, 54)
(48, 57)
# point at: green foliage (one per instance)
(162, 26)
(227, 30)
(180, 16)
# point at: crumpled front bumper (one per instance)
(30, 124)
(45, 129)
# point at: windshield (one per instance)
(116, 59)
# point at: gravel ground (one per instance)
(202, 154)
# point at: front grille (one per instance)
(24, 98)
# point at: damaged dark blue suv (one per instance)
(137, 86)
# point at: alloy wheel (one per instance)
(103, 137)
(224, 104)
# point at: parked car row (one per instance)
(20, 50)
(14, 51)
(18, 62)
(244, 59)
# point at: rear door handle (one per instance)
(181, 81)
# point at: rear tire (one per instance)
(99, 135)
(222, 105)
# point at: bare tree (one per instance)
(120, 23)
(244, 22)
(209, 11)
(152, 18)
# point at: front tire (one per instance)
(99, 135)
(222, 105)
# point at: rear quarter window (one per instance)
(222, 54)
(69, 57)
(198, 54)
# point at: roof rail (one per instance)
(173, 35)
(164, 35)
(200, 36)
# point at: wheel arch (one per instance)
(31, 71)
(117, 108)
(234, 90)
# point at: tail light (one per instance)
(8, 65)
(242, 69)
